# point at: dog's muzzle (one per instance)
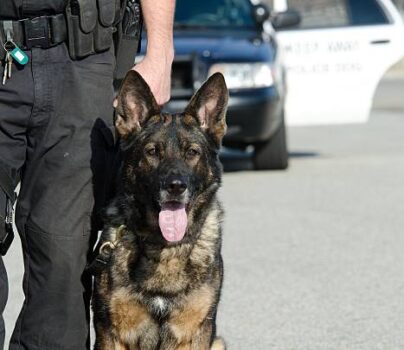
(175, 185)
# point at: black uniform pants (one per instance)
(55, 137)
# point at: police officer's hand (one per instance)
(157, 73)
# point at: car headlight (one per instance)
(245, 75)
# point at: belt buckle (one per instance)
(37, 32)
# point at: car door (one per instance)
(337, 56)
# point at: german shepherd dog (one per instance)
(161, 287)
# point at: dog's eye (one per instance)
(192, 152)
(151, 152)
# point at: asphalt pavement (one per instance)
(313, 255)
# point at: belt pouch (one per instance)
(81, 18)
(2, 42)
(127, 38)
(104, 29)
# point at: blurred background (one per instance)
(314, 160)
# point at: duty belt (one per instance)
(43, 31)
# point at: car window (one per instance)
(337, 13)
(214, 13)
(366, 12)
(321, 14)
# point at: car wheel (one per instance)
(272, 154)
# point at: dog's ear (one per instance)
(209, 105)
(135, 104)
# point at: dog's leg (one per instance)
(199, 340)
(120, 346)
(218, 344)
(202, 338)
(104, 341)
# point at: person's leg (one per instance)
(68, 141)
(16, 100)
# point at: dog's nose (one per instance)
(175, 185)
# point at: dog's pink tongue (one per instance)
(173, 222)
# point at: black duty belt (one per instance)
(43, 31)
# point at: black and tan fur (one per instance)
(155, 294)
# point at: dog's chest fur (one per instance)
(159, 306)
(172, 289)
(135, 319)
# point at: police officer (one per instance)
(56, 140)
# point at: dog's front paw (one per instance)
(218, 344)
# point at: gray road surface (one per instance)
(314, 256)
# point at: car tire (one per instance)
(272, 154)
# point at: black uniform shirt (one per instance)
(18, 9)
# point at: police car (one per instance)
(336, 57)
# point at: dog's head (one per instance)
(171, 161)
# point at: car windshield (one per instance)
(214, 13)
